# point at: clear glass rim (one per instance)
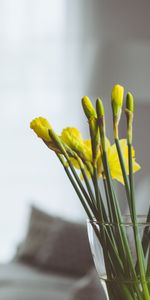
(127, 281)
(141, 220)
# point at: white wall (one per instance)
(38, 76)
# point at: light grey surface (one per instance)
(20, 282)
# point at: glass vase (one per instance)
(121, 254)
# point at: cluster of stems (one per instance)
(128, 280)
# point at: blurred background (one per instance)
(52, 52)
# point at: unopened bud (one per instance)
(101, 121)
(88, 107)
(41, 126)
(117, 98)
(99, 108)
(130, 102)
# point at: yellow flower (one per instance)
(114, 163)
(130, 102)
(117, 95)
(40, 127)
(73, 138)
(88, 108)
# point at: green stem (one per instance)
(113, 251)
(123, 243)
(76, 188)
(88, 186)
(138, 245)
(113, 206)
(127, 188)
(81, 186)
(97, 194)
(120, 238)
(108, 201)
(106, 236)
(128, 261)
(148, 265)
(110, 189)
(124, 173)
(146, 234)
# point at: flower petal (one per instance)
(114, 163)
(72, 137)
(40, 127)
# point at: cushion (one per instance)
(39, 227)
(88, 287)
(57, 245)
(70, 252)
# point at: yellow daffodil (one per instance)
(117, 95)
(114, 163)
(88, 108)
(130, 102)
(40, 127)
(73, 138)
(113, 159)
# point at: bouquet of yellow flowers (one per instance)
(120, 244)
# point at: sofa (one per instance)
(53, 262)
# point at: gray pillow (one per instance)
(53, 244)
(70, 252)
(88, 288)
(39, 227)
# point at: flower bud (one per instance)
(88, 107)
(72, 138)
(129, 114)
(130, 102)
(101, 121)
(117, 98)
(99, 108)
(41, 127)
